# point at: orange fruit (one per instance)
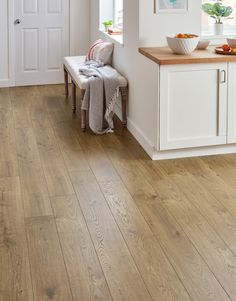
(226, 47)
(180, 35)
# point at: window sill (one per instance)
(217, 39)
(118, 39)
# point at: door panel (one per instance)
(30, 49)
(41, 40)
(30, 7)
(54, 40)
(193, 105)
(54, 6)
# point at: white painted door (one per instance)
(232, 103)
(41, 40)
(193, 105)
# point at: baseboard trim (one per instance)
(195, 152)
(5, 83)
(141, 138)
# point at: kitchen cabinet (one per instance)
(193, 105)
(196, 103)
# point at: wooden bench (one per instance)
(71, 68)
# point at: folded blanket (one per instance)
(100, 96)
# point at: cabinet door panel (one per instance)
(193, 105)
(232, 104)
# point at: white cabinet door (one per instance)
(232, 103)
(41, 40)
(193, 105)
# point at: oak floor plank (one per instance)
(176, 245)
(49, 276)
(210, 246)
(212, 182)
(33, 185)
(193, 271)
(128, 169)
(157, 273)
(15, 277)
(137, 229)
(71, 149)
(214, 212)
(8, 158)
(141, 244)
(122, 276)
(85, 274)
(21, 98)
(56, 174)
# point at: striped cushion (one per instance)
(89, 55)
(100, 51)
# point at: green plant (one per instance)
(108, 23)
(217, 11)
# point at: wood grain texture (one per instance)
(15, 278)
(8, 158)
(85, 273)
(220, 259)
(33, 184)
(172, 238)
(48, 270)
(85, 217)
(21, 98)
(119, 268)
(165, 56)
(158, 275)
(57, 177)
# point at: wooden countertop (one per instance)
(165, 56)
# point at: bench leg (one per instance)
(66, 82)
(124, 97)
(73, 97)
(83, 113)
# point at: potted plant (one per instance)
(219, 12)
(107, 24)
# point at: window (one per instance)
(118, 13)
(229, 25)
(112, 10)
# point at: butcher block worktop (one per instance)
(165, 56)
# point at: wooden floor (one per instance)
(86, 217)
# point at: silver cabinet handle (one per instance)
(223, 76)
(17, 21)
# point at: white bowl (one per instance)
(232, 42)
(203, 44)
(182, 45)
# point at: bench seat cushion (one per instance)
(73, 63)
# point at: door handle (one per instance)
(17, 21)
(223, 75)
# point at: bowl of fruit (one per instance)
(183, 43)
(226, 49)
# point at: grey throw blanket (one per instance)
(100, 96)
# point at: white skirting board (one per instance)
(5, 83)
(140, 137)
(195, 152)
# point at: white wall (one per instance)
(79, 34)
(155, 27)
(143, 28)
(4, 67)
(79, 26)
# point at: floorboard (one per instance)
(86, 217)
